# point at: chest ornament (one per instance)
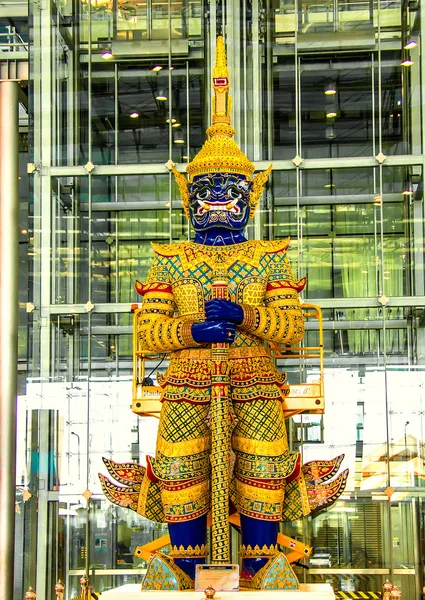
(188, 296)
(251, 291)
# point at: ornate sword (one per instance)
(220, 434)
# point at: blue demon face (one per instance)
(219, 200)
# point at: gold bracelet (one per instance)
(186, 338)
(249, 317)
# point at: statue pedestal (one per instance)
(308, 591)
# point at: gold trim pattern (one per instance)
(257, 552)
(185, 448)
(260, 447)
(193, 255)
(260, 503)
(189, 552)
(187, 503)
(206, 353)
(143, 496)
(220, 154)
(264, 493)
(304, 496)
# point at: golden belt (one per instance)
(205, 353)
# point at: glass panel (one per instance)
(405, 398)
(101, 257)
(103, 116)
(395, 134)
(132, 21)
(144, 132)
(336, 107)
(283, 119)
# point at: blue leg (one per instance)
(256, 532)
(189, 533)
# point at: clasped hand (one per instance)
(222, 317)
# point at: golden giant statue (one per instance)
(216, 305)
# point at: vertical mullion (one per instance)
(188, 129)
(170, 130)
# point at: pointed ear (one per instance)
(183, 184)
(258, 184)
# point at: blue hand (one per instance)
(217, 310)
(213, 332)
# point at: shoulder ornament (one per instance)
(258, 185)
(275, 246)
(168, 250)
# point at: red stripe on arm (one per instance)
(156, 286)
(298, 286)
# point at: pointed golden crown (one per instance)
(220, 152)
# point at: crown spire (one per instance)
(220, 153)
(222, 101)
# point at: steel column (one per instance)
(9, 264)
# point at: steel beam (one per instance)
(261, 165)
(121, 206)
(9, 265)
(13, 10)
(335, 303)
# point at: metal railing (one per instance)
(11, 41)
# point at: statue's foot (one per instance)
(277, 574)
(164, 574)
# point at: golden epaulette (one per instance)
(267, 246)
(192, 254)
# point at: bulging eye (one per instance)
(233, 193)
(203, 194)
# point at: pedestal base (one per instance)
(307, 591)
